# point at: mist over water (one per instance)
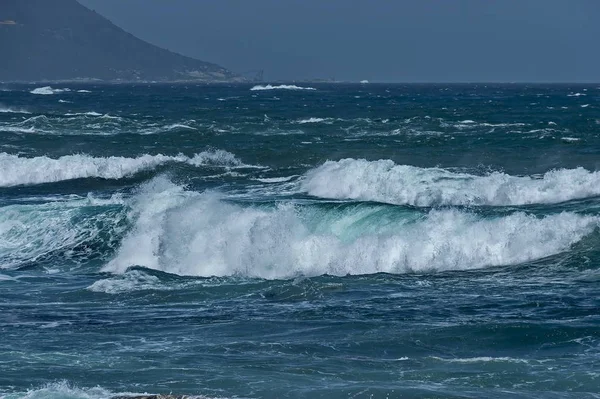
(353, 240)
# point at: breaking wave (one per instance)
(17, 170)
(67, 390)
(280, 87)
(387, 182)
(30, 232)
(61, 390)
(194, 234)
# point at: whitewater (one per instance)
(299, 240)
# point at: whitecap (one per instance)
(385, 181)
(90, 113)
(176, 126)
(11, 110)
(47, 90)
(313, 120)
(17, 170)
(481, 359)
(280, 87)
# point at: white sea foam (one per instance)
(199, 235)
(571, 139)
(576, 94)
(47, 90)
(18, 170)
(280, 87)
(83, 91)
(385, 181)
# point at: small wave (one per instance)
(61, 390)
(186, 233)
(66, 390)
(275, 179)
(17, 170)
(91, 113)
(576, 94)
(16, 129)
(384, 181)
(313, 120)
(571, 139)
(132, 280)
(177, 126)
(107, 116)
(280, 87)
(11, 110)
(47, 90)
(480, 359)
(83, 91)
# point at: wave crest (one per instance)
(17, 170)
(384, 181)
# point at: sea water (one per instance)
(300, 241)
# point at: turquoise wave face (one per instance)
(299, 241)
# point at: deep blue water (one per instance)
(343, 241)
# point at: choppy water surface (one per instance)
(332, 241)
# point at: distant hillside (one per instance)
(46, 40)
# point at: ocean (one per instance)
(300, 241)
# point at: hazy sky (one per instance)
(378, 40)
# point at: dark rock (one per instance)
(49, 40)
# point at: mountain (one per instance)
(48, 40)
